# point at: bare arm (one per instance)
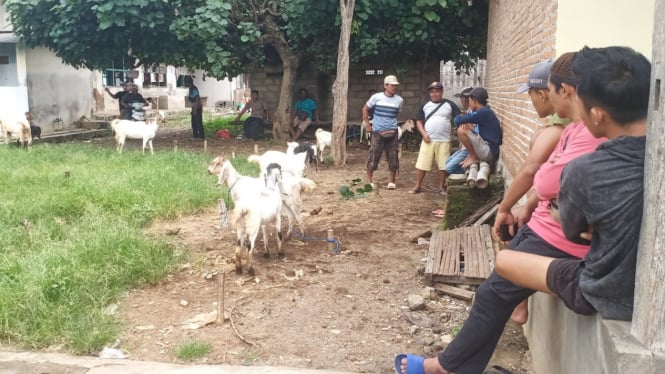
(543, 146)
(421, 129)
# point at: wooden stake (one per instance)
(175, 145)
(222, 213)
(256, 149)
(331, 236)
(205, 145)
(220, 300)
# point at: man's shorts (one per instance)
(433, 151)
(563, 278)
(481, 147)
(376, 148)
(302, 124)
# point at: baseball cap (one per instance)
(435, 85)
(390, 79)
(537, 77)
(479, 93)
(465, 92)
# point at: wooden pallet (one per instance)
(461, 256)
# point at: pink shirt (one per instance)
(575, 141)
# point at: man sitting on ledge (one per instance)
(600, 198)
(601, 194)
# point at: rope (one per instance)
(333, 240)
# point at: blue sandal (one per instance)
(414, 364)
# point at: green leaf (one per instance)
(430, 16)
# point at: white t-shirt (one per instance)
(438, 124)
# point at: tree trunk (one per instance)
(649, 312)
(341, 85)
(281, 120)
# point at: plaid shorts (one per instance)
(376, 148)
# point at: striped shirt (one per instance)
(386, 109)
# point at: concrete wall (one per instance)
(561, 341)
(606, 23)
(413, 87)
(58, 90)
(521, 33)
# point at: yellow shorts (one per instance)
(433, 152)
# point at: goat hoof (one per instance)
(251, 272)
(280, 254)
(266, 255)
(239, 269)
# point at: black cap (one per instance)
(465, 92)
(435, 85)
(480, 94)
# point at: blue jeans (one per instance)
(453, 164)
(496, 298)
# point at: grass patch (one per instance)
(72, 218)
(193, 350)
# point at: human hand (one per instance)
(522, 215)
(587, 235)
(503, 218)
(427, 139)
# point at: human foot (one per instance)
(521, 313)
(412, 364)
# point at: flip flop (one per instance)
(438, 211)
(391, 186)
(414, 364)
(440, 215)
(415, 190)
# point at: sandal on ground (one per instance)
(415, 190)
(391, 186)
(440, 215)
(438, 211)
(414, 364)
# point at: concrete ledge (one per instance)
(561, 341)
(56, 363)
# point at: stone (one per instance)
(416, 302)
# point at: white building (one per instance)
(37, 81)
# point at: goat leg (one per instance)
(266, 251)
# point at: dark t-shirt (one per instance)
(119, 95)
(489, 127)
(605, 189)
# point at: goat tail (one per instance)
(306, 184)
(255, 159)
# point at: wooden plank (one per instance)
(455, 291)
(485, 217)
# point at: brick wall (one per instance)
(413, 87)
(520, 34)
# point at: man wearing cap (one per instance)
(483, 146)
(434, 125)
(386, 106)
(118, 95)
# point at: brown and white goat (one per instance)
(19, 129)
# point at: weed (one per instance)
(72, 240)
(194, 350)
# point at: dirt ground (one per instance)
(311, 308)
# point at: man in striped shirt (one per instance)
(386, 106)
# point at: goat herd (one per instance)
(258, 202)
(261, 201)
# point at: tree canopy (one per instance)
(224, 37)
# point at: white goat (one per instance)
(323, 139)
(254, 212)
(293, 164)
(18, 128)
(240, 186)
(408, 125)
(126, 129)
(294, 148)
